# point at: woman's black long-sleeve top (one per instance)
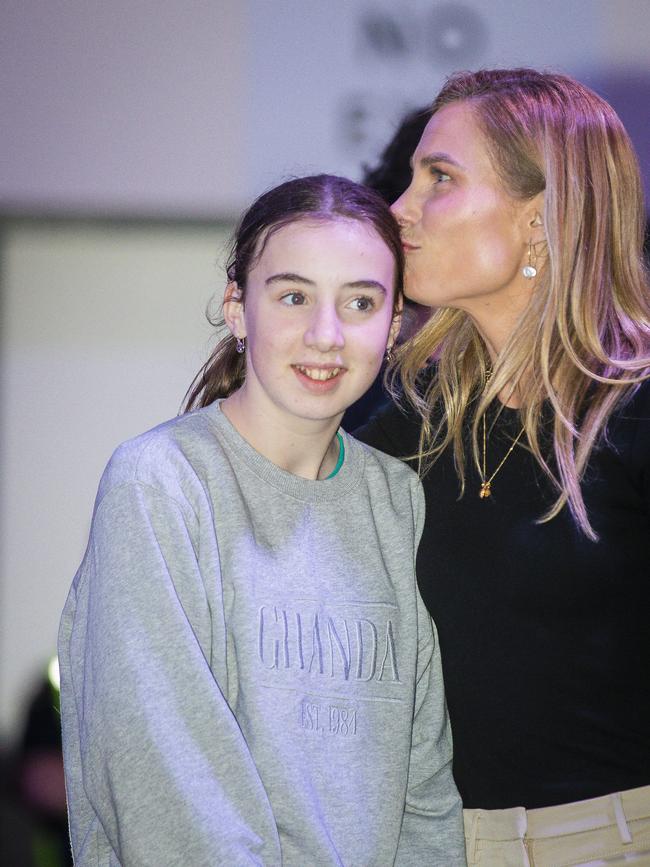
(545, 635)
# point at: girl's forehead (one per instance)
(304, 237)
(326, 252)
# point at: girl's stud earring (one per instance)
(240, 344)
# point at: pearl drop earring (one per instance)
(529, 271)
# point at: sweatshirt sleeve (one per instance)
(157, 767)
(432, 829)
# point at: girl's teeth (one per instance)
(319, 374)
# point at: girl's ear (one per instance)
(233, 309)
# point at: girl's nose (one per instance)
(324, 331)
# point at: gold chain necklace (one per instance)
(486, 483)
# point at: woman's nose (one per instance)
(404, 209)
(324, 331)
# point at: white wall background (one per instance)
(132, 106)
(183, 109)
(103, 330)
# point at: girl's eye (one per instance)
(363, 303)
(293, 299)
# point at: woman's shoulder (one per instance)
(631, 415)
(635, 405)
(395, 430)
(628, 429)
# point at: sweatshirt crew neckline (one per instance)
(331, 488)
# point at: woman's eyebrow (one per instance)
(434, 158)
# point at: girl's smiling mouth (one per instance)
(321, 377)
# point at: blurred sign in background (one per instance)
(187, 109)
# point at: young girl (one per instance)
(248, 676)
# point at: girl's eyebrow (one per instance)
(436, 157)
(366, 284)
(290, 277)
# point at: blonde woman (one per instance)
(523, 226)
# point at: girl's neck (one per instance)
(305, 447)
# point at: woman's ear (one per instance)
(533, 230)
(233, 309)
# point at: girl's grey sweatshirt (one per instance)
(248, 675)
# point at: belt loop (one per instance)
(471, 842)
(522, 830)
(621, 821)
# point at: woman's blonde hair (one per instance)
(584, 339)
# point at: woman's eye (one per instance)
(293, 299)
(439, 176)
(363, 303)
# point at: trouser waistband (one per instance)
(517, 822)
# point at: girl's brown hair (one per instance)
(584, 340)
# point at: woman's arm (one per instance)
(432, 829)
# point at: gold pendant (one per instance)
(485, 490)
